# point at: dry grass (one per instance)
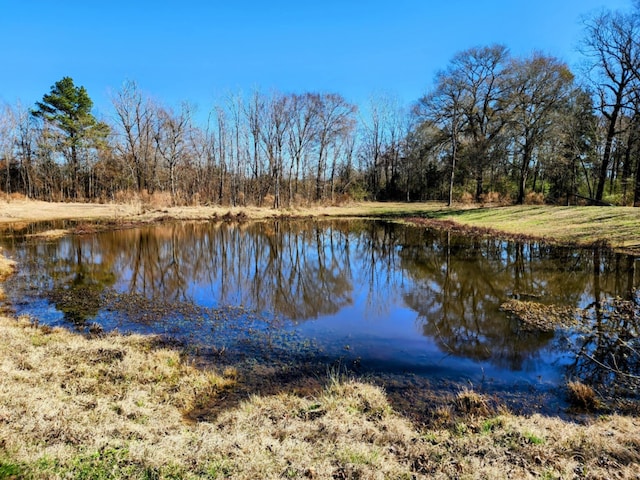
(582, 397)
(62, 394)
(51, 234)
(7, 267)
(472, 404)
(22, 211)
(539, 317)
(616, 226)
(117, 407)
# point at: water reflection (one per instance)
(392, 292)
(460, 285)
(297, 272)
(608, 353)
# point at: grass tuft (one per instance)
(11, 471)
(470, 403)
(7, 267)
(582, 397)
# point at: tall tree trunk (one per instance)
(606, 156)
(454, 153)
(524, 172)
(636, 192)
(74, 172)
(319, 172)
(479, 180)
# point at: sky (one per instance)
(202, 51)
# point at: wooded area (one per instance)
(493, 128)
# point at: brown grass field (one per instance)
(118, 407)
(115, 406)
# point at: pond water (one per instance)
(378, 298)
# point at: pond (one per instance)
(376, 298)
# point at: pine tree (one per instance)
(67, 112)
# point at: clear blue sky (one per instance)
(199, 51)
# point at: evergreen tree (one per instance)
(66, 111)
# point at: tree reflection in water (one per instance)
(460, 285)
(347, 273)
(607, 347)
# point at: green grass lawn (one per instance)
(617, 226)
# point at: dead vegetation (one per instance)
(116, 406)
(24, 211)
(535, 316)
(582, 397)
(7, 267)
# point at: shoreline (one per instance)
(617, 228)
(125, 406)
(121, 406)
(130, 406)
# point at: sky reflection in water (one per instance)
(382, 296)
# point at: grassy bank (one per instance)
(119, 407)
(619, 227)
(26, 211)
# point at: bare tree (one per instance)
(239, 132)
(443, 108)
(381, 137)
(576, 130)
(611, 45)
(26, 148)
(275, 122)
(136, 119)
(301, 134)
(480, 71)
(540, 87)
(170, 137)
(253, 114)
(7, 136)
(335, 118)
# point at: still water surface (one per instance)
(374, 296)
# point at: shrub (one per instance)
(495, 198)
(466, 198)
(534, 198)
(357, 192)
(617, 199)
(268, 200)
(490, 198)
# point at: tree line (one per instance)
(493, 127)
